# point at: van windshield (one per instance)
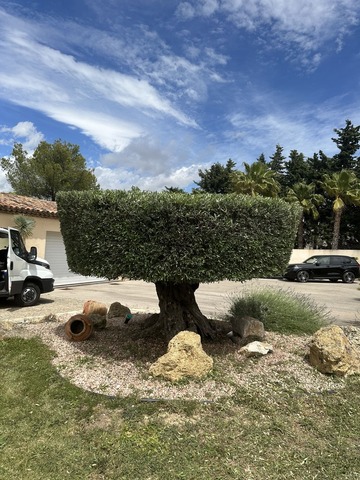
(18, 245)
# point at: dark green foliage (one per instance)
(52, 168)
(304, 194)
(344, 189)
(179, 238)
(319, 165)
(217, 179)
(277, 161)
(174, 190)
(261, 158)
(348, 142)
(297, 169)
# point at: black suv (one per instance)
(330, 267)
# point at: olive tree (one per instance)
(176, 241)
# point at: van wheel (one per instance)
(29, 296)
(348, 277)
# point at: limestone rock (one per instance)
(117, 310)
(353, 335)
(249, 329)
(185, 358)
(332, 352)
(256, 349)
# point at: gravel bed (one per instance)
(115, 362)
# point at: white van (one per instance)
(22, 275)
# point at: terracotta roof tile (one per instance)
(11, 203)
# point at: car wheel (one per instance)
(302, 276)
(29, 295)
(348, 277)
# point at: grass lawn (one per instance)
(50, 429)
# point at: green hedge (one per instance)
(176, 237)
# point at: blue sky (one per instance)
(153, 90)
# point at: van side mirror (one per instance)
(32, 254)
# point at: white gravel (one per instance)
(115, 361)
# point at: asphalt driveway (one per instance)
(343, 300)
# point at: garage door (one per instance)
(55, 254)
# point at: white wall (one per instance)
(298, 256)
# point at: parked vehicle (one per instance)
(22, 274)
(330, 267)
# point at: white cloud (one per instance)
(157, 154)
(4, 184)
(185, 11)
(143, 107)
(160, 79)
(124, 179)
(145, 155)
(23, 132)
(208, 7)
(268, 122)
(306, 25)
(73, 92)
(107, 131)
(216, 58)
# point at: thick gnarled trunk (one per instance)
(179, 310)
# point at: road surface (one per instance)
(343, 300)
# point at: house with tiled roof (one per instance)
(46, 236)
(29, 206)
(42, 212)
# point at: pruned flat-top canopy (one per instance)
(174, 237)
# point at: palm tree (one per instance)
(25, 226)
(344, 187)
(257, 179)
(305, 195)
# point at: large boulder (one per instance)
(117, 310)
(332, 352)
(185, 358)
(247, 329)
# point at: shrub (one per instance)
(283, 311)
(176, 238)
(176, 241)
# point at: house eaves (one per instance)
(18, 204)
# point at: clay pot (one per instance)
(78, 328)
